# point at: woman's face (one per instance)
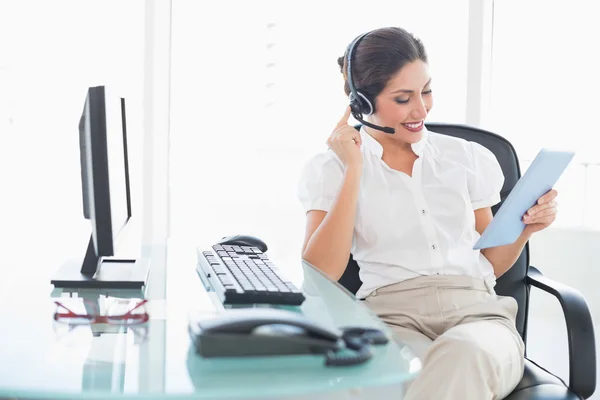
(405, 102)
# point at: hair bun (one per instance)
(340, 61)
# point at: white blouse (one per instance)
(412, 226)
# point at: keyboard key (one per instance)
(230, 289)
(219, 269)
(225, 279)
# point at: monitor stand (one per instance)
(104, 273)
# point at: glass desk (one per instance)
(157, 360)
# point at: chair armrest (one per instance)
(580, 332)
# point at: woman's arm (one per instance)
(502, 258)
(328, 237)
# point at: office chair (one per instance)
(537, 382)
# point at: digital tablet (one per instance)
(539, 178)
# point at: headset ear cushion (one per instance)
(371, 108)
(365, 104)
(355, 106)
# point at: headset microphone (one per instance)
(385, 129)
(359, 103)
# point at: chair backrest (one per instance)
(513, 282)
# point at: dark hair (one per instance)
(378, 57)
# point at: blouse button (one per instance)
(433, 247)
(423, 211)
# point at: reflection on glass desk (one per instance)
(157, 361)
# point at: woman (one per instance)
(409, 205)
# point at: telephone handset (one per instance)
(270, 331)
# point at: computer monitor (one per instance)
(106, 195)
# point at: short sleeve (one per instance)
(320, 181)
(485, 178)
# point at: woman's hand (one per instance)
(345, 142)
(542, 215)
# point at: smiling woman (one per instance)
(408, 206)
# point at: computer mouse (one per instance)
(244, 240)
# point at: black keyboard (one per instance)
(245, 275)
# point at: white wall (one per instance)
(569, 256)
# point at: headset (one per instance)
(359, 103)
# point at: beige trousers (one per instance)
(463, 332)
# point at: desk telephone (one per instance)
(270, 331)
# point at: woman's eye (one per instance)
(404, 101)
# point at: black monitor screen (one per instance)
(116, 164)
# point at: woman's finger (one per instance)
(344, 120)
(541, 216)
(548, 197)
(536, 209)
